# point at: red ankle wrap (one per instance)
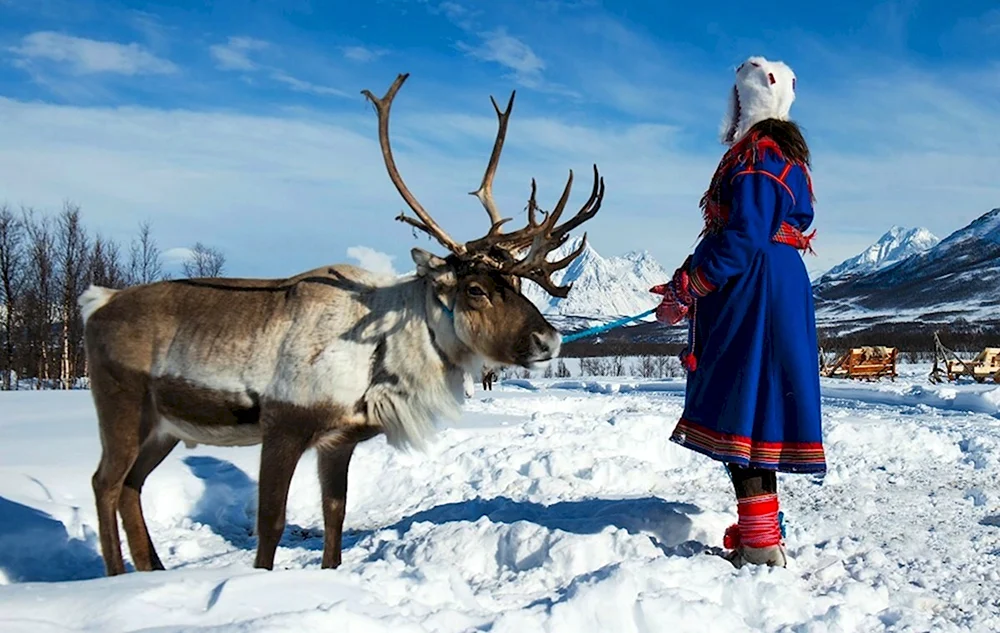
(758, 525)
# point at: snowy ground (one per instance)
(554, 506)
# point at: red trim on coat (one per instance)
(743, 448)
(766, 173)
(784, 172)
(700, 285)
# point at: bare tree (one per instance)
(105, 267)
(73, 266)
(205, 261)
(561, 370)
(12, 259)
(40, 298)
(668, 367)
(145, 263)
(647, 367)
(618, 365)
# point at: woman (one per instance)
(752, 397)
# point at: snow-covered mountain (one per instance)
(604, 288)
(959, 277)
(896, 245)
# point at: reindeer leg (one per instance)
(107, 484)
(119, 413)
(333, 465)
(153, 451)
(280, 453)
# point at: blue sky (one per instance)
(242, 125)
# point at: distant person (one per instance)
(489, 375)
(752, 399)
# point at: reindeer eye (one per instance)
(476, 291)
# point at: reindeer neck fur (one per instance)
(418, 368)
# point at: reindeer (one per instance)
(326, 359)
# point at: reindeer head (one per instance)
(479, 282)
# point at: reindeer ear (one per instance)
(426, 262)
(434, 268)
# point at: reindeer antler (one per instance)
(485, 191)
(541, 238)
(537, 238)
(425, 222)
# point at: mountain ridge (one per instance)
(896, 245)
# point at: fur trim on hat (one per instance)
(763, 90)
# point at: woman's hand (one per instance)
(671, 311)
(677, 298)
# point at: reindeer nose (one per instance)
(541, 343)
(546, 344)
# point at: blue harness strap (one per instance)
(597, 329)
(575, 336)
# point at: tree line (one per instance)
(46, 262)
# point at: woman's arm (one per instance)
(757, 197)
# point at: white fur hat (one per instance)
(763, 90)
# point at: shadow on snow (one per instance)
(35, 547)
(228, 508)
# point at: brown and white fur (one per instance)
(324, 360)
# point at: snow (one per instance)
(554, 505)
(603, 288)
(896, 245)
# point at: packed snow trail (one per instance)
(547, 509)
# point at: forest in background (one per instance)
(46, 261)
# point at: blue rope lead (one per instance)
(604, 328)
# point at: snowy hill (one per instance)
(959, 277)
(896, 245)
(603, 287)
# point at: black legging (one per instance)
(752, 482)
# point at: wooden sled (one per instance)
(948, 366)
(863, 363)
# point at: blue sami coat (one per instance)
(754, 398)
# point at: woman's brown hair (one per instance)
(788, 136)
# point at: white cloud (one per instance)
(177, 256)
(525, 66)
(362, 53)
(299, 85)
(373, 260)
(236, 53)
(85, 56)
(502, 48)
(452, 10)
(457, 14)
